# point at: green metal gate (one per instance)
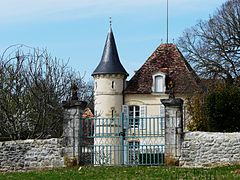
(121, 141)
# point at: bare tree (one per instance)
(33, 86)
(13, 104)
(213, 46)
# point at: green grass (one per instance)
(141, 172)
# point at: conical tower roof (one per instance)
(110, 63)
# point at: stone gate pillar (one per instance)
(173, 129)
(73, 111)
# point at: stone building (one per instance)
(165, 71)
(141, 95)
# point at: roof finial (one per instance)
(110, 21)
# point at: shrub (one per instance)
(223, 109)
(216, 111)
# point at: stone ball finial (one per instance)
(74, 90)
(171, 91)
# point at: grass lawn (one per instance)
(138, 172)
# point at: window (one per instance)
(159, 83)
(135, 116)
(95, 85)
(113, 84)
(112, 113)
(133, 147)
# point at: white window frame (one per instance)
(142, 116)
(134, 120)
(162, 89)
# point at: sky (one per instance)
(75, 30)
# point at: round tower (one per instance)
(109, 80)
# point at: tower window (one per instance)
(95, 85)
(112, 113)
(113, 84)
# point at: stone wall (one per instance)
(210, 149)
(31, 154)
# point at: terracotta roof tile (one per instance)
(169, 60)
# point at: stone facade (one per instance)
(201, 149)
(31, 154)
(73, 113)
(108, 100)
(108, 95)
(152, 102)
(173, 130)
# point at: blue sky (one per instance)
(76, 30)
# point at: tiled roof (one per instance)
(169, 60)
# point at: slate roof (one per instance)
(169, 60)
(110, 63)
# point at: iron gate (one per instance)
(121, 141)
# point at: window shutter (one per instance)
(162, 110)
(162, 116)
(143, 114)
(125, 111)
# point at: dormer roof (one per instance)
(110, 62)
(169, 60)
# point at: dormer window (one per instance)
(159, 85)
